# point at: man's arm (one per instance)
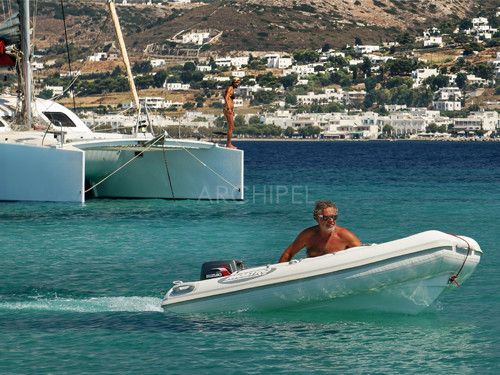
(351, 239)
(295, 247)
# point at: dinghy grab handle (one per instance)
(454, 278)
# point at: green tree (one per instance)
(264, 97)
(186, 76)
(461, 39)
(406, 38)
(254, 120)
(142, 67)
(288, 81)
(116, 72)
(461, 81)
(289, 132)
(366, 67)
(399, 67)
(159, 78)
(465, 24)
(268, 80)
(200, 100)
(290, 98)
(189, 66)
(370, 83)
(305, 56)
(483, 70)
(387, 130)
(46, 94)
(239, 121)
(431, 128)
(436, 82)
(144, 82)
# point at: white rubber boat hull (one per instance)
(405, 275)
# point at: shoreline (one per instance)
(366, 140)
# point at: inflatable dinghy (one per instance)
(406, 275)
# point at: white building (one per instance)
(156, 63)
(300, 70)
(413, 121)
(276, 61)
(446, 93)
(366, 49)
(98, 56)
(433, 41)
(176, 86)
(37, 66)
(215, 78)
(150, 102)
(237, 102)
(447, 105)
(480, 120)
(420, 74)
(496, 65)
(204, 68)
(312, 98)
(56, 90)
(196, 37)
(238, 73)
(234, 61)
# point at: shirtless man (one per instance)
(324, 238)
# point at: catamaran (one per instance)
(48, 154)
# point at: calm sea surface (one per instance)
(81, 285)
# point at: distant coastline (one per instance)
(367, 140)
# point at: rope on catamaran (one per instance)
(128, 162)
(163, 137)
(202, 163)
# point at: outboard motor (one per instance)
(220, 268)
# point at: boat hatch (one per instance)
(181, 289)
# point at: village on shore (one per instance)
(288, 98)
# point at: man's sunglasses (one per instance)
(328, 217)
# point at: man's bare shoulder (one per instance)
(307, 233)
(311, 230)
(347, 235)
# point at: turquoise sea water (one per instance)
(81, 285)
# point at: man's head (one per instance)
(325, 213)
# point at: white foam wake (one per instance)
(98, 304)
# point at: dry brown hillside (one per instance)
(272, 25)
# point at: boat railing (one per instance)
(60, 132)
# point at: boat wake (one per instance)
(98, 304)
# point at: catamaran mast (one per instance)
(123, 50)
(26, 59)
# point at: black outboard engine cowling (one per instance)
(220, 268)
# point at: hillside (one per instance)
(251, 25)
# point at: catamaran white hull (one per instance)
(405, 275)
(173, 170)
(31, 172)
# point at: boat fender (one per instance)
(220, 268)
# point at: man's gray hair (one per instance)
(321, 205)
